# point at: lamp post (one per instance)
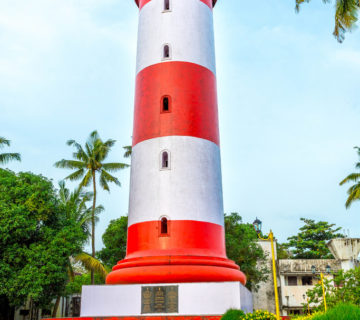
(257, 226)
(328, 271)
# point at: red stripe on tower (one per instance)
(176, 223)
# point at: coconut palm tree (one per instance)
(6, 157)
(354, 190)
(345, 16)
(89, 163)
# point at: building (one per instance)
(295, 276)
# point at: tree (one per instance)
(345, 16)
(35, 240)
(310, 242)
(114, 239)
(89, 161)
(344, 288)
(6, 157)
(354, 190)
(74, 207)
(242, 247)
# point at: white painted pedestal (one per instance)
(201, 298)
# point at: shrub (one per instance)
(340, 312)
(259, 315)
(233, 314)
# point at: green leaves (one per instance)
(114, 240)
(36, 239)
(242, 247)
(7, 157)
(345, 16)
(344, 288)
(310, 242)
(354, 191)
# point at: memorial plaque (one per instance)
(160, 299)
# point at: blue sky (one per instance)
(289, 101)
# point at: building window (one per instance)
(166, 52)
(165, 160)
(166, 5)
(165, 104)
(306, 281)
(291, 281)
(164, 226)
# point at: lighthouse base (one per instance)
(192, 299)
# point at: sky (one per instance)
(288, 94)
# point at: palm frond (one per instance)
(114, 166)
(107, 177)
(87, 179)
(354, 195)
(345, 17)
(4, 141)
(91, 264)
(6, 157)
(75, 175)
(128, 151)
(354, 177)
(70, 271)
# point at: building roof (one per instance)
(214, 2)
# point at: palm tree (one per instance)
(74, 207)
(354, 190)
(88, 161)
(345, 16)
(6, 157)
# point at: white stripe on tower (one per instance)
(190, 41)
(189, 190)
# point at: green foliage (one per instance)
(340, 312)
(75, 286)
(346, 12)
(242, 247)
(114, 240)
(354, 191)
(282, 252)
(6, 157)
(233, 314)
(310, 242)
(344, 288)
(36, 239)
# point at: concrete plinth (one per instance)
(207, 298)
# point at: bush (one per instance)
(340, 312)
(259, 315)
(233, 314)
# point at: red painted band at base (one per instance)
(191, 89)
(174, 274)
(184, 237)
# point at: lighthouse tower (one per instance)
(176, 222)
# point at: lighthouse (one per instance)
(176, 216)
(176, 263)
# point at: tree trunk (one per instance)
(93, 225)
(56, 306)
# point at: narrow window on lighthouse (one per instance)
(164, 226)
(166, 52)
(165, 104)
(166, 5)
(165, 160)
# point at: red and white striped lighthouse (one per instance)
(176, 223)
